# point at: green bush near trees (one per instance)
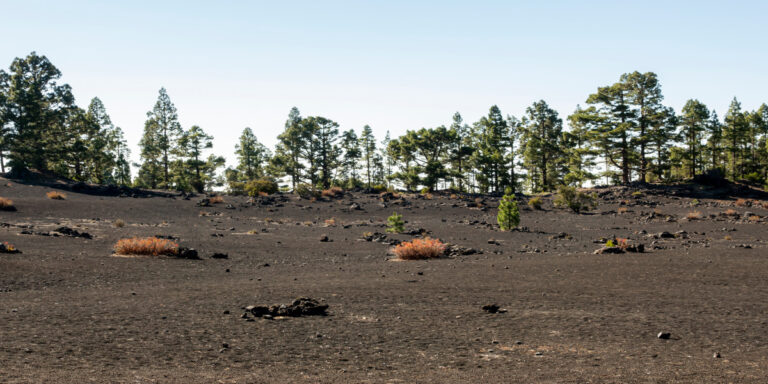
(509, 215)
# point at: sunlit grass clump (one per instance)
(54, 195)
(419, 249)
(6, 204)
(146, 246)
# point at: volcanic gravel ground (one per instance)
(72, 312)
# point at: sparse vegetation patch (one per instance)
(418, 249)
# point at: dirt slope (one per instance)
(71, 312)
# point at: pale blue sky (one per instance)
(395, 65)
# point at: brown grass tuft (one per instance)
(216, 199)
(622, 210)
(55, 195)
(695, 215)
(764, 204)
(728, 237)
(6, 204)
(743, 203)
(148, 246)
(420, 249)
(754, 218)
(730, 212)
(119, 223)
(330, 222)
(332, 192)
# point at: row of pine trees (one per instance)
(623, 133)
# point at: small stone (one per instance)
(225, 345)
(716, 355)
(324, 239)
(664, 335)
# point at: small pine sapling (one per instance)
(395, 223)
(508, 216)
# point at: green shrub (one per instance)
(508, 216)
(379, 188)
(577, 201)
(424, 190)
(305, 191)
(754, 178)
(260, 186)
(395, 223)
(535, 203)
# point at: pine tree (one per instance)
(715, 142)
(579, 152)
(734, 135)
(491, 151)
(509, 215)
(368, 146)
(36, 108)
(350, 145)
(616, 121)
(5, 131)
(542, 146)
(252, 156)
(460, 152)
(190, 153)
(161, 134)
(291, 144)
(693, 123)
(645, 95)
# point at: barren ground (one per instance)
(72, 313)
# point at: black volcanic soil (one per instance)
(72, 313)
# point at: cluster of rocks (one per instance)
(7, 248)
(302, 306)
(493, 308)
(454, 250)
(379, 237)
(61, 231)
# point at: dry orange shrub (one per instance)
(149, 246)
(730, 212)
(54, 195)
(693, 215)
(420, 249)
(743, 203)
(332, 192)
(5, 203)
(216, 199)
(622, 210)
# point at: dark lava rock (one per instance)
(608, 250)
(665, 235)
(457, 250)
(229, 206)
(219, 255)
(375, 236)
(8, 208)
(355, 207)
(66, 231)
(188, 253)
(7, 248)
(324, 239)
(664, 335)
(493, 308)
(302, 306)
